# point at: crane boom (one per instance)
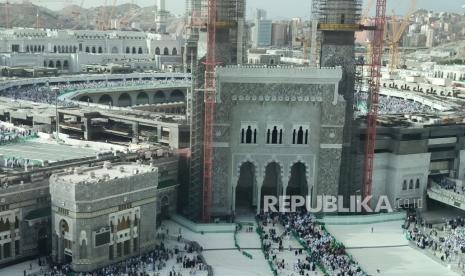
(373, 98)
(397, 31)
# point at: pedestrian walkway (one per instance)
(385, 250)
(223, 261)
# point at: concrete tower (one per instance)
(230, 49)
(160, 16)
(338, 20)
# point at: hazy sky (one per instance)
(276, 8)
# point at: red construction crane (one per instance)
(209, 110)
(377, 47)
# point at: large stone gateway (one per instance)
(278, 131)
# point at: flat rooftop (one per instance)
(36, 150)
(104, 173)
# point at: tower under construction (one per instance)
(229, 49)
(338, 20)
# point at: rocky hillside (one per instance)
(75, 17)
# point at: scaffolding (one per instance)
(338, 15)
(228, 49)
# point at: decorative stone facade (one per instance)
(272, 118)
(103, 214)
(24, 220)
(69, 50)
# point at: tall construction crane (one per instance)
(209, 110)
(304, 42)
(364, 20)
(76, 13)
(373, 98)
(366, 11)
(398, 29)
(130, 15)
(37, 4)
(101, 21)
(111, 15)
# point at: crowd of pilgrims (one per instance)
(153, 263)
(45, 94)
(451, 185)
(391, 105)
(322, 248)
(446, 241)
(12, 134)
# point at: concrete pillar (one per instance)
(60, 250)
(284, 181)
(131, 235)
(13, 238)
(254, 191)
(87, 129)
(233, 200)
(159, 133)
(259, 192)
(61, 117)
(115, 237)
(135, 132)
(139, 232)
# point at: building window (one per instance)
(63, 211)
(43, 199)
(157, 51)
(124, 206)
(174, 52)
(410, 184)
(6, 250)
(166, 52)
(123, 224)
(274, 135)
(249, 135)
(417, 184)
(17, 247)
(67, 244)
(110, 252)
(404, 185)
(300, 135)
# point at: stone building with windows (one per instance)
(104, 214)
(278, 131)
(24, 219)
(70, 50)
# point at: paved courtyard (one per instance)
(386, 250)
(220, 253)
(35, 150)
(383, 252)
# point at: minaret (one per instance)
(338, 20)
(160, 17)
